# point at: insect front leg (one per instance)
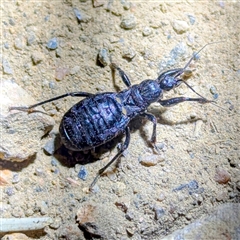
(153, 119)
(123, 148)
(173, 101)
(71, 94)
(122, 74)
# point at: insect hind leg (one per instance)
(123, 148)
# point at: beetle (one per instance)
(100, 117)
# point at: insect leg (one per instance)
(153, 119)
(124, 147)
(72, 94)
(122, 74)
(173, 101)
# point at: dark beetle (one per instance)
(100, 117)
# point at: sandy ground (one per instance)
(198, 143)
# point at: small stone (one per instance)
(129, 53)
(150, 160)
(192, 19)
(6, 67)
(56, 223)
(193, 185)
(37, 57)
(29, 212)
(83, 173)
(128, 22)
(159, 212)
(180, 26)
(222, 196)
(119, 189)
(15, 236)
(42, 207)
(16, 178)
(31, 39)
(61, 73)
(222, 176)
(161, 197)
(131, 230)
(50, 146)
(9, 191)
(147, 31)
(54, 162)
(213, 90)
(18, 43)
(11, 22)
(123, 204)
(129, 216)
(52, 44)
(39, 172)
(81, 17)
(103, 56)
(98, 3)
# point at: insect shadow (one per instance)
(70, 158)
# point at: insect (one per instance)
(100, 117)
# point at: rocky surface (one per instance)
(50, 48)
(223, 223)
(21, 132)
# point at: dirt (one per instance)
(197, 142)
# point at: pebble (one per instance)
(56, 223)
(31, 39)
(81, 16)
(9, 191)
(97, 3)
(193, 185)
(52, 44)
(6, 45)
(83, 173)
(49, 147)
(21, 140)
(61, 73)
(11, 22)
(39, 172)
(159, 212)
(6, 67)
(15, 236)
(103, 56)
(77, 14)
(147, 31)
(37, 57)
(161, 197)
(128, 22)
(150, 160)
(176, 53)
(192, 19)
(54, 162)
(213, 90)
(180, 26)
(222, 176)
(129, 53)
(123, 204)
(119, 189)
(15, 178)
(18, 43)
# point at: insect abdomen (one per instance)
(92, 122)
